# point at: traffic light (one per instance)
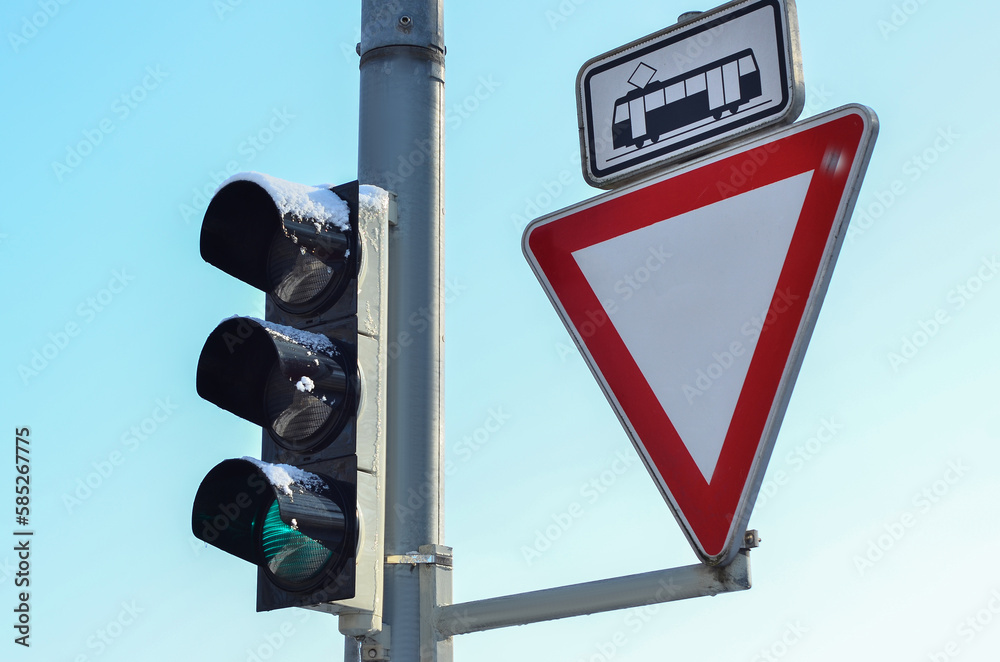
(309, 513)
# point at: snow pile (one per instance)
(313, 202)
(373, 196)
(283, 476)
(305, 385)
(311, 341)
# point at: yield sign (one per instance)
(692, 296)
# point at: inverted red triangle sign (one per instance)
(692, 296)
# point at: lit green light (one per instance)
(291, 556)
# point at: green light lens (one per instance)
(291, 556)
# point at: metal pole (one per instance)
(352, 650)
(592, 597)
(400, 149)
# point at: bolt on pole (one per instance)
(401, 139)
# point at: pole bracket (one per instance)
(375, 648)
(414, 558)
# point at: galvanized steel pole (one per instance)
(401, 149)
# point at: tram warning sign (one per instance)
(692, 296)
(707, 80)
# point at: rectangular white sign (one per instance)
(679, 92)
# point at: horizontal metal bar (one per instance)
(418, 559)
(648, 588)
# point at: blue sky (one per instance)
(121, 118)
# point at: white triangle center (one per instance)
(689, 295)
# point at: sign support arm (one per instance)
(648, 588)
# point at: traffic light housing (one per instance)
(309, 513)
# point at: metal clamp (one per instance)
(375, 648)
(413, 558)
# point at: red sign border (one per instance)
(836, 146)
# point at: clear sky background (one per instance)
(120, 117)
